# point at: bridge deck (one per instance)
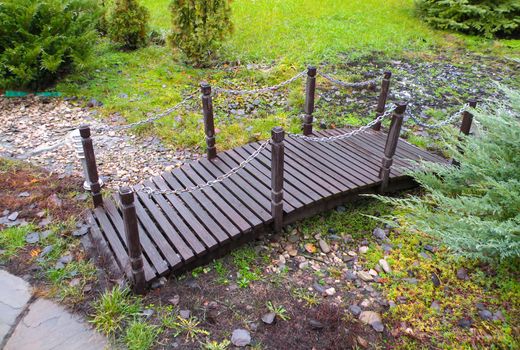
(179, 232)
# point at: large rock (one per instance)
(14, 295)
(373, 319)
(241, 337)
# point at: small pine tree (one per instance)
(199, 27)
(127, 24)
(482, 17)
(475, 208)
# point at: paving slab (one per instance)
(15, 293)
(49, 326)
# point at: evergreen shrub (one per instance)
(127, 24)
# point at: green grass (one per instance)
(13, 239)
(141, 335)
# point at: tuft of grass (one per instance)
(302, 294)
(243, 260)
(188, 327)
(114, 310)
(141, 335)
(215, 345)
(278, 310)
(12, 239)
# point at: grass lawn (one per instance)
(280, 38)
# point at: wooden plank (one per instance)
(303, 188)
(165, 247)
(233, 198)
(377, 147)
(176, 220)
(413, 151)
(173, 237)
(236, 215)
(115, 239)
(103, 250)
(255, 199)
(257, 175)
(157, 261)
(319, 153)
(189, 200)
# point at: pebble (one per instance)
(429, 248)
(32, 237)
(385, 266)
(350, 275)
(435, 305)
(325, 248)
(316, 325)
(46, 250)
(354, 309)
(373, 319)
(425, 255)
(465, 322)
(159, 283)
(13, 216)
(330, 291)
(185, 314)
(380, 234)
(363, 249)
(303, 265)
(175, 300)
(462, 274)
(83, 230)
(319, 288)
(372, 272)
(240, 337)
(24, 194)
(486, 315)
(269, 318)
(410, 280)
(365, 276)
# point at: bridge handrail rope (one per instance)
(346, 135)
(152, 191)
(341, 83)
(442, 123)
(218, 90)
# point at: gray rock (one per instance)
(465, 322)
(159, 283)
(365, 276)
(435, 305)
(324, 246)
(486, 315)
(269, 318)
(81, 231)
(425, 255)
(94, 103)
(13, 216)
(319, 288)
(429, 248)
(498, 316)
(355, 310)
(45, 234)
(385, 266)
(387, 248)
(379, 234)
(32, 237)
(66, 259)
(316, 324)
(175, 300)
(185, 314)
(410, 280)
(24, 194)
(350, 275)
(378, 326)
(82, 197)
(363, 249)
(240, 337)
(46, 250)
(435, 279)
(462, 274)
(373, 319)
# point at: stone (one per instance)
(362, 342)
(372, 272)
(269, 318)
(355, 310)
(83, 230)
(75, 282)
(66, 259)
(435, 279)
(32, 237)
(387, 248)
(49, 326)
(330, 291)
(350, 275)
(13, 216)
(373, 319)
(15, 293)
(429, 248)
(462, 274)
(465, 322)
(340, 209)
(425, 255)
(24, 194)
(435, 305)
(319, 288)
(365, 276)
(324, 246)
(498, 316)
(316, 325)
(240, 337)
(385, 266)
(185, 314)
(365, 303)
(147, 313)
(46, 233)
(159, 283)
(380, 234)
(486, 315)
(363, 249)
(94, 103)
(410, 280)
(303, 265)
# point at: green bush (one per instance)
(42, 39)
(127, 24)
(199, 27)
(475, 208)
(482, 17)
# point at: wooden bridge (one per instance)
(153, 229)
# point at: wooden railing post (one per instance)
(391, 145)
(209, 123)
(90, 160)
(310, 93)
(126, 197)
(381, 102)
(465, 126)
(277, 162)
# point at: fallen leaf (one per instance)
(311, 248)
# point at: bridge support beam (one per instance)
(277, 162)
(126, 197)
(391, 146)
(209, 123)
(381, 102)
(465, 126)
(310, 93)
(90, 161)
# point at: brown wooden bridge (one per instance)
(154, 229)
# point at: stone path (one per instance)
(28, 323)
